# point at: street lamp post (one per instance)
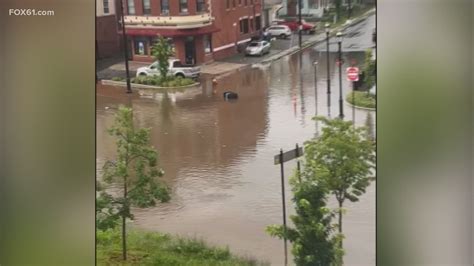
(315, 64)
(339, 43)
(125, 49)
(327, 57)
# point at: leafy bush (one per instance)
(118, 79)
(361, 99)
(163, 82)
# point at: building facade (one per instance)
(310, 8)
(199, 30)
(107, 38)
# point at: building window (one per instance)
(165, 7)
(146, 7)
(106, 7)
(140, 46)
(251, 24)
(246, 2)
(183, 6)
(234, 4)
(200, 6)
(244, 26)
(207, 44)
(131, 7)
(314, 4)
(240, 2)
(227, 4)
(258, 23)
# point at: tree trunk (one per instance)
(340, 219)
(124, 218)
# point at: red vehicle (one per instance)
(308, 28)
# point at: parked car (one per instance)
(176, 68)
(258, 48)
(281, 31)
(307, 28)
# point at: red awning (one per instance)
(172, 32)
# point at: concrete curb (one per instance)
(142, 86)
(319, 38)
(361, 108)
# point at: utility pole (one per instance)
(300, 26)
(125, 48)
(327, 58)
(349, 6)
(341, 107)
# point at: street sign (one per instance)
(352, 73)
(289, 155)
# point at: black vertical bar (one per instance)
(300, 24)
(341, 108)
(327, 59)
(353, 104)
(283, 204)
(125, 49)
(298, 162)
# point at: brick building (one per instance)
(107, 39)
(199, 30)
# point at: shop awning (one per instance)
(172, 32)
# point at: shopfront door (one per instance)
(190, 51)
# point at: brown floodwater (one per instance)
(218, 155)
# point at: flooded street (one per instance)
(218, 155)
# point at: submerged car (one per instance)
(176, 68)
(258, 48)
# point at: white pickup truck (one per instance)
(175, 69)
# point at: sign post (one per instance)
(280, 159)
(353, 76)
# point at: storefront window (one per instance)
(207, 44)
(141, 46)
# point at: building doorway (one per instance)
(190, 51)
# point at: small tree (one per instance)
(343, 159)
(369, 69)
(136, 169)
(314, 243)
(369, 123)
(162, 51)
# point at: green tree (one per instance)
(342, 159)
(369, 123)
(162, 51)
(338, 6)
(313, 240)
(136, 169)
(369, 69)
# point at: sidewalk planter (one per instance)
(142, 86)
(362, 100)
